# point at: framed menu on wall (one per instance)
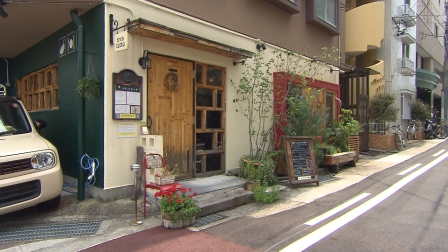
(127, 96)
(300, 160)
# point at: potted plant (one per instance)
(167, 175)
(339, 152)
(178, 207)
(255, 95)
(382, 110)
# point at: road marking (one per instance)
(409, 169)
(336, 209)
(320, 233)
(438, 153)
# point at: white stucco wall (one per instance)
(120, 153)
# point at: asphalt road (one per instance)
(402, 208)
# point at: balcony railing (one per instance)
(407, 15)
(407, 66)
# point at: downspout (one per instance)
(81, 108)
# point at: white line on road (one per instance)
(336, 209)
(312, 238)
(438, 153)
(409, 169)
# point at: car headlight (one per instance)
(44, 160)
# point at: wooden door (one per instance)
(170, 108)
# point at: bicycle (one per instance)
(442, 134)
(411, 130)
(399, 137)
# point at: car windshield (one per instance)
(13, 119)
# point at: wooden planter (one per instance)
(333, 162)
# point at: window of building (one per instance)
(405, 50)
(210, 118)
(39, 90)
(324, 14)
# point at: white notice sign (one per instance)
(121, 41)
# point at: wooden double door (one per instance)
(170, 110)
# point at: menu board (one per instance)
(127, 96)
(300, 160)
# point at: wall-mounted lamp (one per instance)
(145, 61)
(239, 62)
(336, 70)
(261, 46)
(2, 12)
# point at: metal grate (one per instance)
(207, 219)
(43, 232)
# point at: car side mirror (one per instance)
(40, 124)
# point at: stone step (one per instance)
(223, 199)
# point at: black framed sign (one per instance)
(127, 95)
(300, 160)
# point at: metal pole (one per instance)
(135, 168)
(445, 72)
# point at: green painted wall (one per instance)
(62, 122)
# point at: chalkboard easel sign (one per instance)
(300, 160)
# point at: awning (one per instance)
(150, 29)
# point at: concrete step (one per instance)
(220, 200)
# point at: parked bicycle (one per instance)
(443, 130)
(412, 130)
(399, 137)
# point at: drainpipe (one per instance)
(81, 108)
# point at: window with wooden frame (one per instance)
(39, 90)
(210, 118)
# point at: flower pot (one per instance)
(177, 222)
(250, 185)
(334, 161)
(165, 180)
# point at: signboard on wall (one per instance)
(301, 162)
(127, 96)
(121, 41)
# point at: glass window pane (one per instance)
(213, 120)
(213, 162)
(199, 73)
(219, 99)
(331, 12)
(204, 141)
(198, 119)
(214, 76)
(204, 97)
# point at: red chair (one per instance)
(151, 184)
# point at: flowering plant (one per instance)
(178, 201)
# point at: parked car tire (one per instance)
(53, 203)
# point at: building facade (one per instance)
(166, 66)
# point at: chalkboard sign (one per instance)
(300, 160)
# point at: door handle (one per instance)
(150, 122)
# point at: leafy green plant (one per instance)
(263, 196)
(420, 110)
(258, 170)
(89, 87)
(345, 127)
(382, 108)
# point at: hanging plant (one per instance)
(89, 86)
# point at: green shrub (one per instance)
(420, 110)
(382, 108)
(262, 196)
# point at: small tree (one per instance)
(382, 108)
(420, 110)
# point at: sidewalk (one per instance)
(114, 218)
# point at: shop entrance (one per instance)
(170, 110)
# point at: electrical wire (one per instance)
(91, 165)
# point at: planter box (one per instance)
(165, 180)
(333, 162)
(381, 142)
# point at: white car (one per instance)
(30, 171)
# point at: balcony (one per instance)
(407, 67)
(364, 28)
(407, 15)
(426, 79)
(406, 38)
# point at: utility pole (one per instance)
(445, 70)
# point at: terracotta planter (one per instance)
(177, 222)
